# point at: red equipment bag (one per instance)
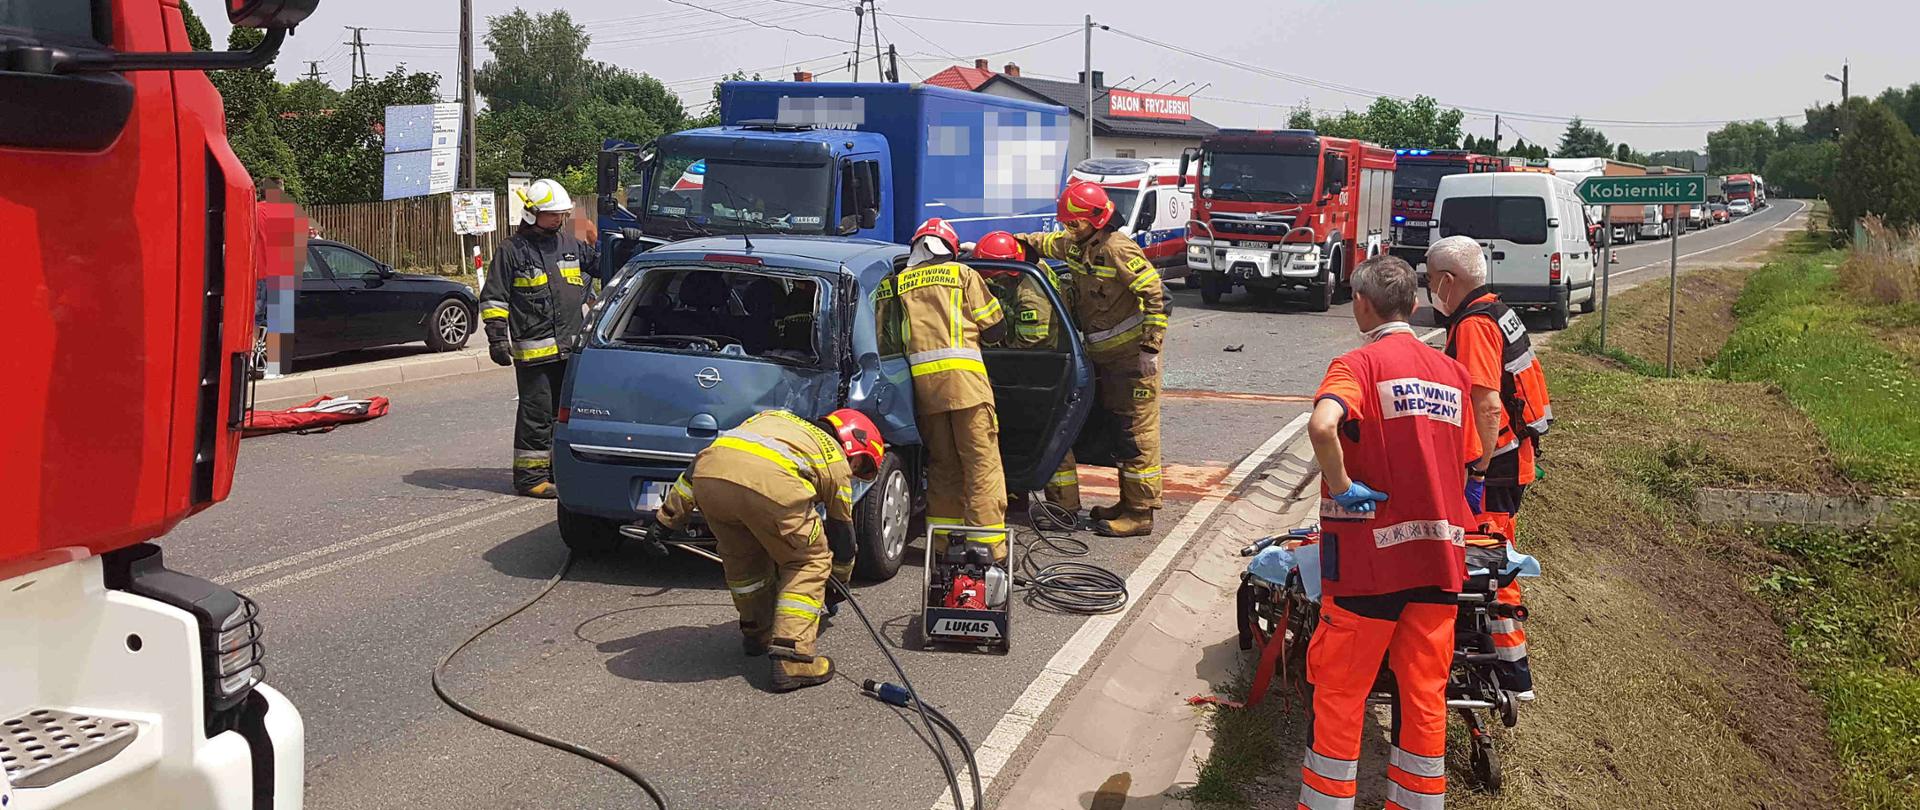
(316, 416)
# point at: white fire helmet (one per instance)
(542, 196)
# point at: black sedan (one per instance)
(348, 300)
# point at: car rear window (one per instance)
(703, 310)
(1520, 220)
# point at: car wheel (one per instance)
(449, 326)
(1342, 283)
(587, 535)
(1558, 314)
(1212, 286)
(883, 524)
(257, 358)
(1593, 300)
(1320, 293)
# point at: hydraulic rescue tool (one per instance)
(967, 591)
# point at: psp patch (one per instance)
(1029, 316)
(1142, 393)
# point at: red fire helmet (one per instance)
(860, 438)
(939, 229)
(1085, 202)
(999, 245)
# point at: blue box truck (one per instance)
(854, 159)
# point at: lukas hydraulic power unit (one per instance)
(968, 593)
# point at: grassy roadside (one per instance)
(1683, 665)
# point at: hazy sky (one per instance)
(1678, 62)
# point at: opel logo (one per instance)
(708, 377)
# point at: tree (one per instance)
(1581, 140)
(338, 133)
(1877, 172)
(1740, 147)
(1625, 154)
(1416, 124)
(1803, 169)
(710, 115)
(197, 35)
(1677, 158)
(549, 107)
(1522, 149)
(1904, 104)
(251, 98)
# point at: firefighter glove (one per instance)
(498, 351)
(1149, 364)
(1359, 498)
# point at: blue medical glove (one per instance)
(1477, 494)
(1359, 498)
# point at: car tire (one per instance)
(450, 325)
(1342, 283)
(1212, 286)
(587, 535)
(1558, 314)
(1593, 300)
(1320, 293)
(883, 524)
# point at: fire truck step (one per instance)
(43, 746)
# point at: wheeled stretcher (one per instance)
(1279, 608)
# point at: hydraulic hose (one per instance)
(1069, 586)
(517, 730)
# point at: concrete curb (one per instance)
(1128, 734)
(357, 378)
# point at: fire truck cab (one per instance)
(1416, 178)
(1286, 209)
(135, 240)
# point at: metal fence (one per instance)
(413, 234)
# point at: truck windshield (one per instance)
(1424, 176)
(1520, 220)
(1260, 177)
(1737, 188)
(693, 193)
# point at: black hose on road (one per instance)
(517, 730)
(1068, 587)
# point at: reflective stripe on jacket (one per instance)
(534, 292)
(940, 311)
(777, 454)
(1116, 294)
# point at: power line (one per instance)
(1000, 23)
(1309, 81)
(758, 23)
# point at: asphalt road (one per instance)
(376, 548)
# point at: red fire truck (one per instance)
(1286, 209)
(134, 238)
(1415, 179)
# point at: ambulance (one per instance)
(1149, 203)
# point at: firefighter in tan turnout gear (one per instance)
(531, 305)
(761, 487)
(1118, 300)
(944, 313)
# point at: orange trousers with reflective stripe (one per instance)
(1510, 636)
(1343, 662)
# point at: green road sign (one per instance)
(1652, 189)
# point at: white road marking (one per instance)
(390, 531)
(347, 562)
(1021, 719)
(1761, 232)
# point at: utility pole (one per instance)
(357, 63)
(1496, 134)
(859, 34)
(1846, 70)
(893, 64)
(466, 95)
(1086, 78)
(873, 16)
(313, 70)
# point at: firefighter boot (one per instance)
(791, 675)
(753, 647)
(544, 489)
(1128, 523)
(1105, 513)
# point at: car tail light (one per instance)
(562, 414)
(1553, 269)
(731, 259)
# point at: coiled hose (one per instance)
(1068, 586)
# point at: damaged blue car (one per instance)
(692, 338)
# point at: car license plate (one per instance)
(652, 495)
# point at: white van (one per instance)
(1533, 229)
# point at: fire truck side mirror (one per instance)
(1187, 158)
(269, 13)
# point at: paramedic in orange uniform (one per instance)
(1393, 435)
(1509, 390)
